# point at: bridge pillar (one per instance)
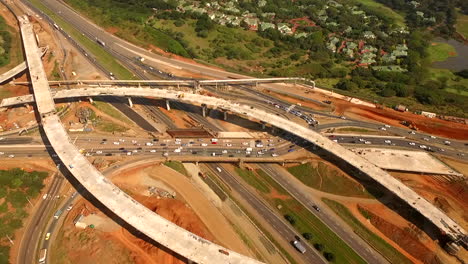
(168, 106)
(225, 116)
(204, 108)
(130, 103)
(90, 100)
(263, 125)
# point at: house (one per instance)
(332, 44)
(252, 23)
(390, 68)
(301, 35)
(368, 35)
(388, 58)
(265, 25)
(284, 29)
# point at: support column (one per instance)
(225, 115)
(130, 103)
(204, 110)
(263, 125)
(90, 100)
(168, 106)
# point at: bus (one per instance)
(42, 255)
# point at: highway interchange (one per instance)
(236, 145)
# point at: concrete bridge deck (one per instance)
(146, 221)
(428, 210)
(17, 69)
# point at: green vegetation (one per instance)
(177, 166)
(441, 51)
(106, 60)
(379, 244)
(462, 24)
(383, 10)
(16, 187)
(111, 111)
(56, 72)
(251, 178)
(323, 178)
(110, 127)
(5, 43)
(302, 219)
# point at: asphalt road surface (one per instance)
(357, 244)
(33, 234)
(310, 256)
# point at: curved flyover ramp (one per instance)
(141, 218)
(428, 210)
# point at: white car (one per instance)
(229, 145)
(412, 144)
(446, 142)
(383, 128)
(361, 140)
(134, 151)
(177, 150)
(412, 133)
(204, 144)
(388, 141)
(433, 137)
(426, 139)
(422, 146)
(149, 144)
(11, 156)
(245, 143)
(387, 126)
(1, 153)
(224, 151)
(98, 152)
(69, 207)
(129, 153)
(116, 143)
(153, 151)
(274, 155)
(368, 142)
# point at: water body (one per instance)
(458, 63)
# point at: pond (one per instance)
(457, 63)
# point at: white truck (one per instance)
(298, 245)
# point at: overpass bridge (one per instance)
(17, 69)
(162, 231)
(184, 83)
(437, 217)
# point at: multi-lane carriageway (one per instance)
(179, 240)
(149, 223)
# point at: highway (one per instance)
(350, 238)
(33, 232)
(275, 221)
(46, 1)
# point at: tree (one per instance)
(307, 236)
(290, 219)
(387, 92)
(346, 85)
(329, 256)
(318, 246)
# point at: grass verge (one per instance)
(111, 111)
(110, 127)
(101, 55)
(441, 51)
(177, 166)
(462, 24)
(329, 180)
(253, 180)
(306, 222)
(379, 244)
